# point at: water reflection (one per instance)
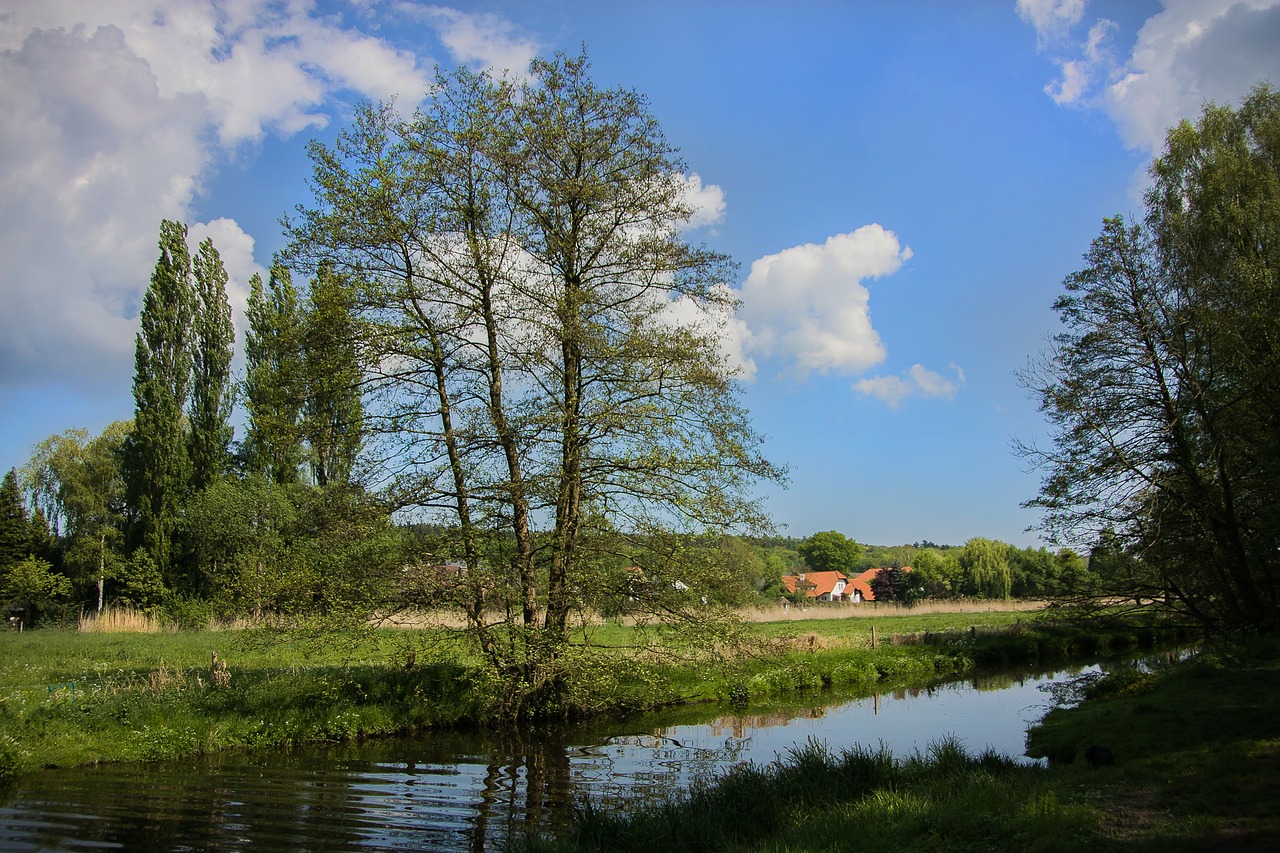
(472, 791)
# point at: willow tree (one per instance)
(543, 342)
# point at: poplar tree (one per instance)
(212, 389)
(157, 459)
(332, 413)
(274, 380)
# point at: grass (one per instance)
(69, 698)
(1197, 767)
(1197, 751)
(813, 799)
(122, 620)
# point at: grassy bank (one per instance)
(79, 698)
(1196, 751)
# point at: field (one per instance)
(69, 698)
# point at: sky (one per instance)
(904, 186)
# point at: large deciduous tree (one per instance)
(536, 381)
(1164, 389)
(78, 484)
(830, 551)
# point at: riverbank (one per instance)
(1191, 762)
(70, 699)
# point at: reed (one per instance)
(122, 620)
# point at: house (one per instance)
(818, 586)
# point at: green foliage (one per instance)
(157, 471)
(274, 385)
(138, 581)
(213, 338)
(938, 573)
(15, 527)
(31, 585)
(332, 414)
(985, 564)
(1162, 390)
(830, 551)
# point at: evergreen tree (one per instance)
(157, 460)
(15, 526)
(332, 415)
(274, 378)
(211, 389)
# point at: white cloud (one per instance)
(919, 382)
(1051, 19)
(483, 41)
(809, 306)
(1190, 52)
(1194, 51)
(707, 201)
(114, 115)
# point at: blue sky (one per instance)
(904, 184)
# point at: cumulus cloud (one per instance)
(483, 41)
(1190, 52)
(115, 115)
(918, 382)
(706, 200)
(809, 305)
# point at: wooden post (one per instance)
(873, 636)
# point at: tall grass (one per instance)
(123, 620)
(876, 610)
(859, 799)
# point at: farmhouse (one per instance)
(818, 586)
(834, 586)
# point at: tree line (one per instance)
(167, 507)
(981, 568)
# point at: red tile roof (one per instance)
(815, 584)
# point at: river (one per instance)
(459, 791)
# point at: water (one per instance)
(472, 791)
